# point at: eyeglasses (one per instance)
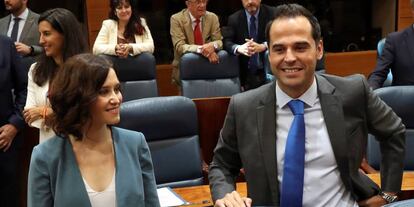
(199, 2)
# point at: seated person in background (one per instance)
(59, 35)
(398, 56)
(244, 35)
(90, 162)
(21, 26)
(300, 139)
(124, 33)
(194, 29)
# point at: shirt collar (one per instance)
(193, 19)
(255, 15)
(23, 15)
(309, 97)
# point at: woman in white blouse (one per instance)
(124, 33)
(60, 37)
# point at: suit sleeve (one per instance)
(150, 189)
(178, 37)
(19, 73)
(39, 192)
(389, 130)
(384, 63)
(216, 33)
(102, 44)
(145, 43)
(226, 163)
(229, 35)
(32, 89)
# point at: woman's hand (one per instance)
(122, 50)
(32, 114)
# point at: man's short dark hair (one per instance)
(292, 11)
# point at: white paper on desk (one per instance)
(168, 197)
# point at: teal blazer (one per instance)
(55, 178)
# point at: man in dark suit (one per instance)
(13, 79)
(301, 138)
(21, 26)
(397, 55)
(244, 35)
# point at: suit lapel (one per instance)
(73, 179)
(243, 24)
(27, 26)
(409, 41)
(188, 28)
(333, 114)
(266, 119)
(4, 25)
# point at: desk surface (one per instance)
(199, 196)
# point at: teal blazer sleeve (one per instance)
(55, 179)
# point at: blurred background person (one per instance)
(21, 26)
(194, 29)
(124, 33)
(396, 57)
(90, 162)
(13, 82)
(244, 35)
(61, 37)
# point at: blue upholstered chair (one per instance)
(137, 75)
(201, 79)
(170, 127)
(380, 46)
(401, 100)
(405, 203)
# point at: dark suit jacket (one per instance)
(55, 178)
(350, 109)
(12, 76)
(397, 55)
(30, 34)
(237, 31)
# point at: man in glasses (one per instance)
(196, 30)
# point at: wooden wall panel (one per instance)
(348, 63)
(96, 12)
(405, 17)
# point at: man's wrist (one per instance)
(388, 197)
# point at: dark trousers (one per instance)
(9, 176)
(253, 80)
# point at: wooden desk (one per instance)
(199, 196)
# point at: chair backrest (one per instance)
(401, 100)
(170, 127)
(202, 79)
(380, 47)
(137, 75)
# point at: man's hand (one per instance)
(7, 134)
(213, 58)
(233, 199)
(207, 49)
(22, 48)
(254, 47)
(32, 114)
(244, 49)
(374, 201)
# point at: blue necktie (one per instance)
(253, 34)
(15, 29)
(292, 183)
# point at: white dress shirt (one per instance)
(23, 18)
(322, 182)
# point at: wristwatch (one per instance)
(388, 197)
